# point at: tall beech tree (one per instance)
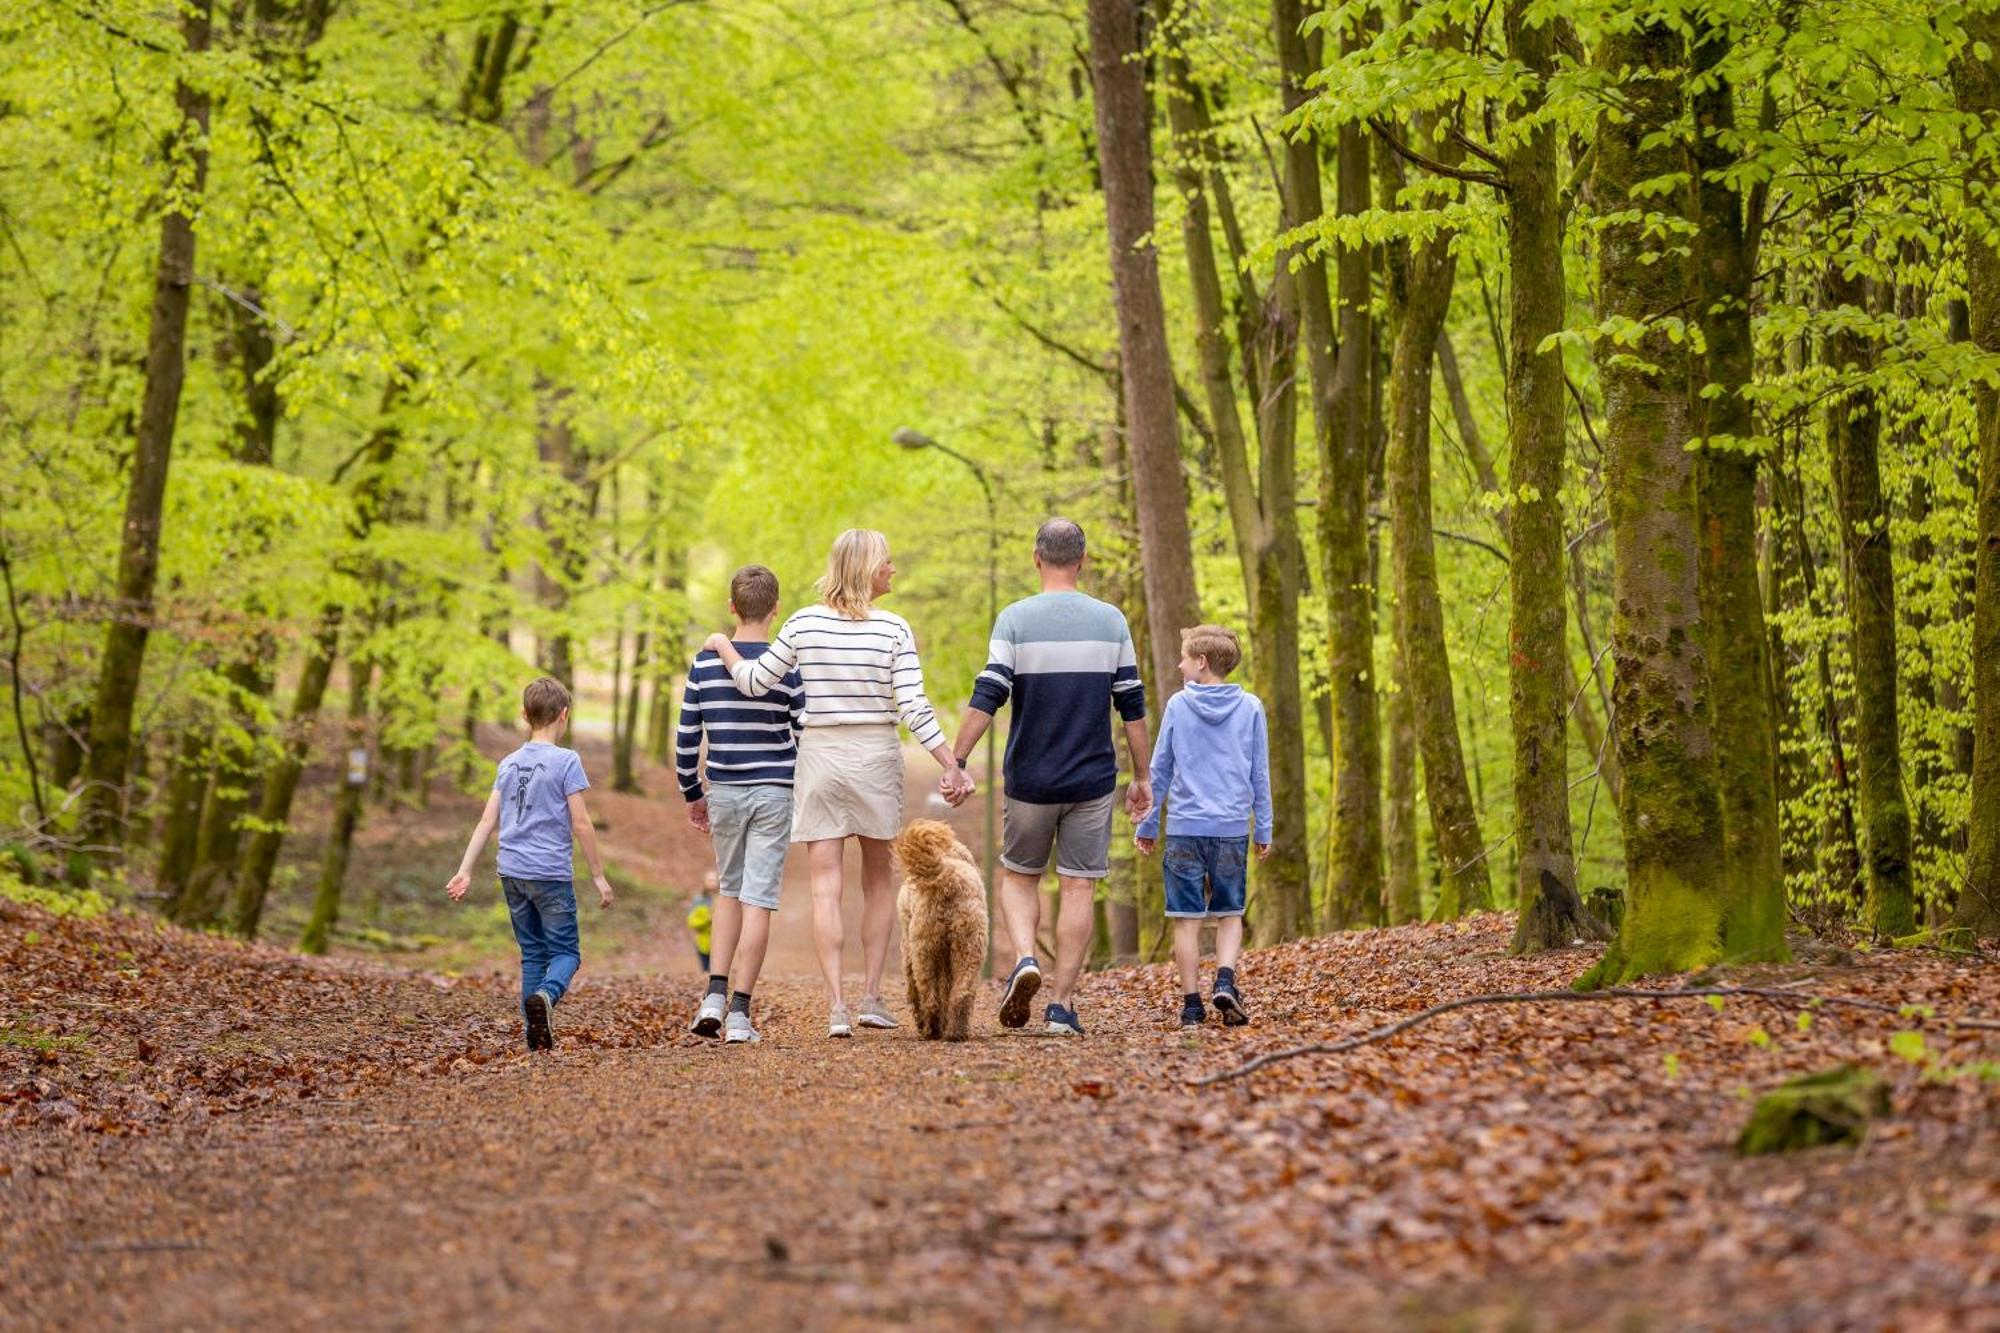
(107, 769)
(1124, 161)
(1337, 364)
(1976, 82)
(1675, 890)
(1261, 498)
(1854, 428)
(1537, 623)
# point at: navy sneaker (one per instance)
(1062, 1021)
(1022, 984)
(1230, 1005)
(540, 1035)
(1193, 1013)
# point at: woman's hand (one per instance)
(718, 644)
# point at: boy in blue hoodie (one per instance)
(1211, 764)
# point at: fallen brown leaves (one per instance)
(1550, 1166)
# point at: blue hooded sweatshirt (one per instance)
(1212, 765)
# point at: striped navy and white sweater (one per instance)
(1065, 659)
(751, 741)
(855, 671)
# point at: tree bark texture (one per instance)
(1538, 673)
(1159, 490)
(105, 802)
(1977, 85)
(1671, 818)
(347, 807)
(1404, 900)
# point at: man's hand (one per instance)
(1144, 844)
(1263, 851)
(698, 815)
(961, 786)
(1138, 798)
(459, 884)
(603, 890)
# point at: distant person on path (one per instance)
(537, 802)
(1213, 767)
(701, 920)
(861, 674)
(746, 806)
(1065, 659)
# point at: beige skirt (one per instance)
(849, 782)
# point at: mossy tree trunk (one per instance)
(1538, 671)
(1413, 556)
(1124, 159)
(346, 816)
(1855, 426)
(1403, 890)
(1672, 821)
(1976, 78)
(1726, 481)
(1260, 499)
(1337, 369)
(109, 761)
(183, 819)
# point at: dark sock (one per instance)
(718, 985)
(1225, 976)
(1191, 998)
(739, 1002)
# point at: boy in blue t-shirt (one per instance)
(537, 802)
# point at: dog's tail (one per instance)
(923, 847)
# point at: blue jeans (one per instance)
(1206, 877)
(544, 915)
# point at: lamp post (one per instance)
(913, 440)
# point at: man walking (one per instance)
(1065, 659)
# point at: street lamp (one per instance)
(913, 440)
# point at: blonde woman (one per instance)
(862, 676)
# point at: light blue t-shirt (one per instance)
(535, 784)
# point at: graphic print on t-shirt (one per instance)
(534, 784)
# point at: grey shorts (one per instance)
(751, 827)
(1078, 833)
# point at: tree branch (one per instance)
(1431, 164)
(1388, 1030)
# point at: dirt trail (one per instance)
(195, 1134)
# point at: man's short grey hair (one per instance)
(1059, 542)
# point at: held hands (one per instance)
(458, 885)
(603, 890)
(698, 815)
(955, 786)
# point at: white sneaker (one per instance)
(708, 1019)
(838, 1024)
(875, 1014)
(737, 1028)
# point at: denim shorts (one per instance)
(751, 826)
(1206, 877)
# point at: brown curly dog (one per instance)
(943, 909)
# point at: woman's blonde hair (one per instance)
(849, 584)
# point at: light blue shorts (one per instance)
(752, 830)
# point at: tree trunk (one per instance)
(105, 807)
(1467, 884)
(281, 782)
(622, 775)
(556, 446)
(1976, 80)
(183, 819)
(1855, 427)
(347, 808)
(1353, 895)
(1405, 901)
(1726, 483)
(1675, 901)
(1261, 509)
(1153, 430)
(1537, 622)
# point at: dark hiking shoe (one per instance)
(541, 1037)
(1062, 1022)
(1193, 1012)
(1230, 1005)
(1022, 984)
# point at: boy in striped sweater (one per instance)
(746, 806)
